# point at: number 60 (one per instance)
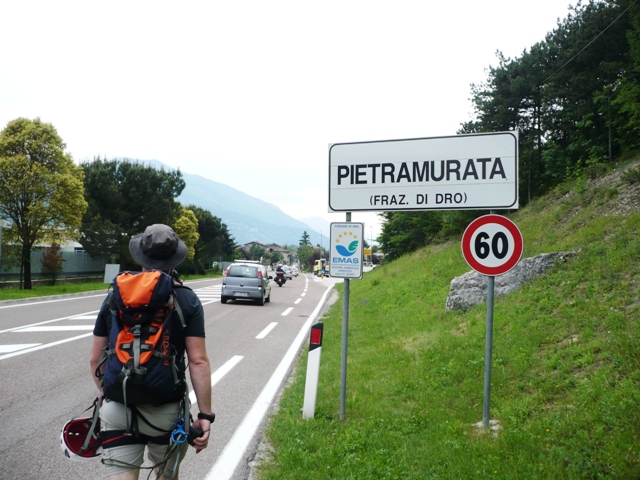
(499, 245)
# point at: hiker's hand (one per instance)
(200, 443)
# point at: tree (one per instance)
(124, 198)
(52, 262)
(256, 252)
(305, 255)
(305, 240)
(627, 102)
(186, 227)
(41, 190)
(571, 97)
(207, 248)
(276, 257)
(10, 254)
(227, 243)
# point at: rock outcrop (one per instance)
(471, 288)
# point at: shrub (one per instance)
(52, 262)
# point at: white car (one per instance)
(294, 271)
(287, 272)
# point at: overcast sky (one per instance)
(251, 94)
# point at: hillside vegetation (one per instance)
(566, 360)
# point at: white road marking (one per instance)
(46, 345)
(234, 451)
(297, 301)
(218, 374)
(208, 295)
(49, 321)
(207, 303)
(17, 346)
(266, 331)
(287, 311)
(51, 301)
(63, 328)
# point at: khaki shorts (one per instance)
(113, 416)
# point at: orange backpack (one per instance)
(141, 365)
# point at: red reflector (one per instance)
(316, 336)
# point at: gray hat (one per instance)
(158, 248)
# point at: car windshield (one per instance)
(243, 271)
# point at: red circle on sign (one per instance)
(509, 261)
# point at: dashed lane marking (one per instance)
(218, 375)
(266, 331)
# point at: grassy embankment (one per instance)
(566, 362)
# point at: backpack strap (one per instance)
(177, 305)
(178, 309)
(95, 424)
(172, 302)
(112, 308)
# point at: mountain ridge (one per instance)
(248, 218)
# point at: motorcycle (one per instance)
(280, 279)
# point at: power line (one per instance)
(588, 44)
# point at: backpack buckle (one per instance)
(135, 331)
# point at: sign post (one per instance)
(461, 172)
(345, 252)
(491, 245)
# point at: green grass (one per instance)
(566, 365)
(43, 291)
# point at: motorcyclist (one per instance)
(280, 278)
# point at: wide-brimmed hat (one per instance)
(158, 248)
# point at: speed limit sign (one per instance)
(492, 245)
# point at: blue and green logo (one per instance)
(347, 244)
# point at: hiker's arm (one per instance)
(96, 353)
(200, 373)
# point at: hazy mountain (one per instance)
(318, 224)
(248, 218)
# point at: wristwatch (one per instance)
(205, 416)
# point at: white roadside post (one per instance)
(313, 371)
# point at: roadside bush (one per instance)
(52, 263)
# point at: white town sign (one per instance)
(462, 172)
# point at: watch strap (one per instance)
(205, 416)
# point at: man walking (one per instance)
(130, 429)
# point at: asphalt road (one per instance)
(45, 378)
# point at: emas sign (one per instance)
(346, 249)
(462, 172)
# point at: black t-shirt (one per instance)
(191, 309)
